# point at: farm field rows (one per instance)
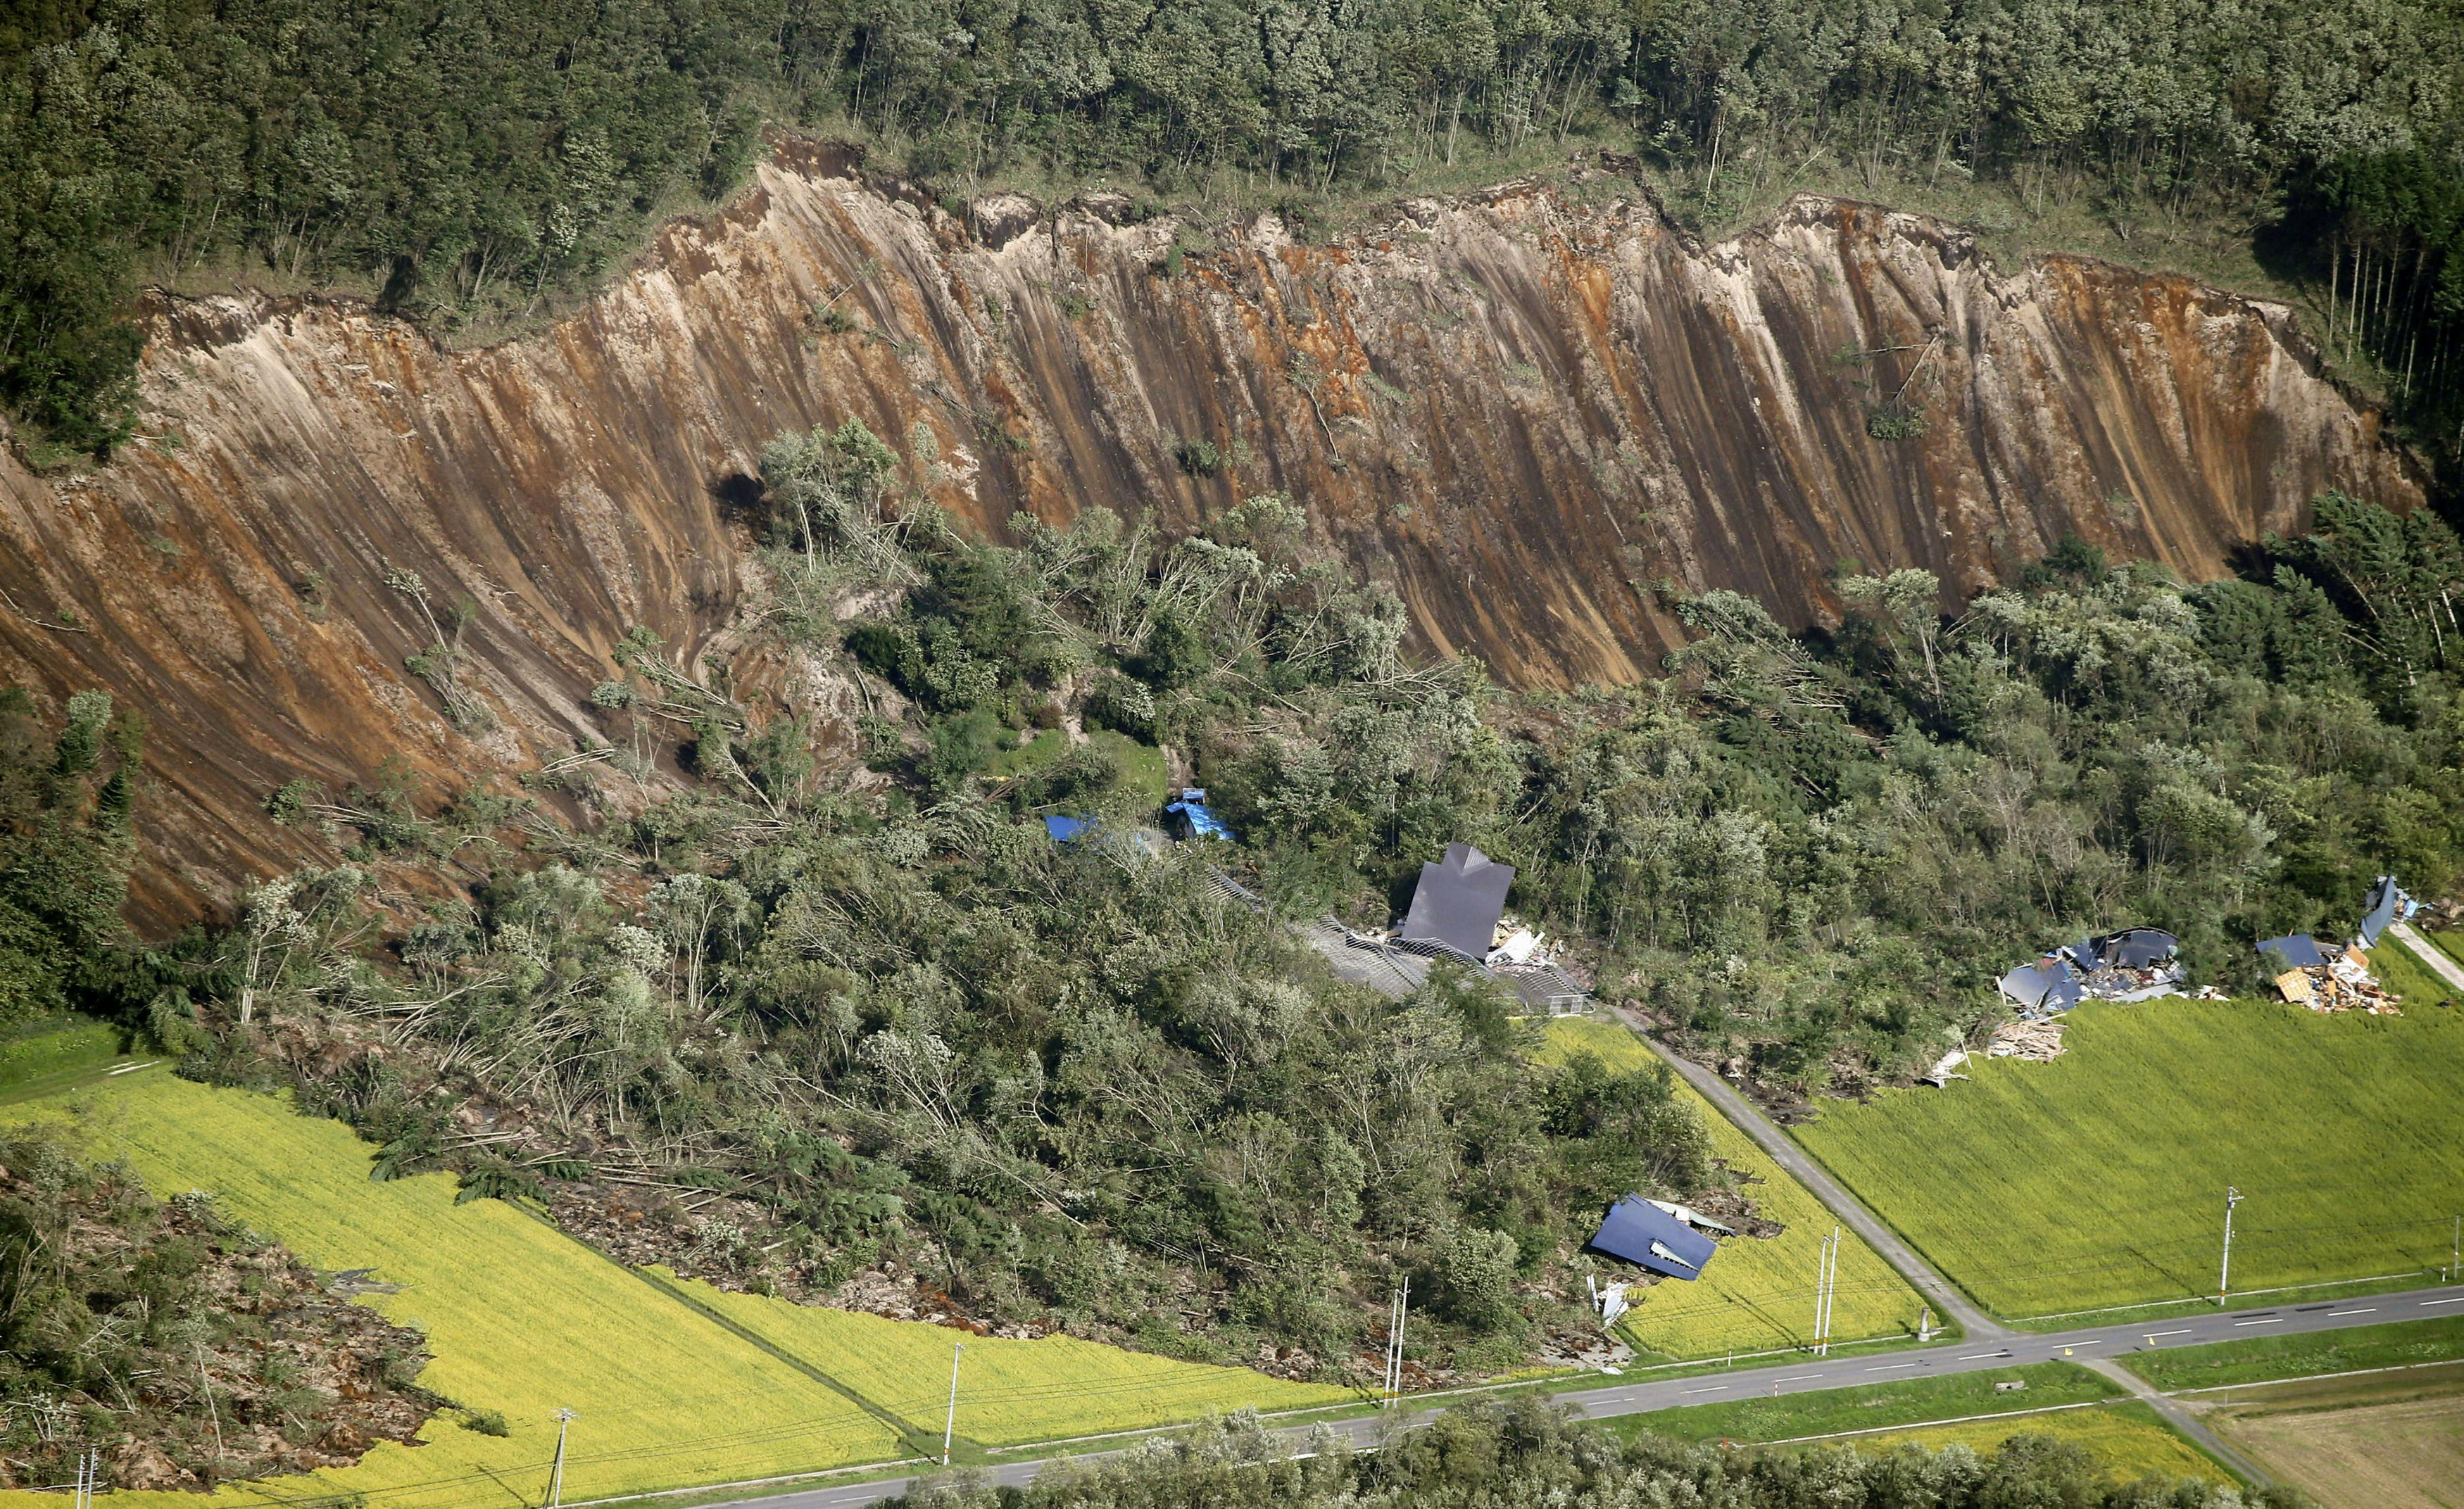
(2379, 1441)
(1757, 1295)
(522, 1320)
(1009, 1390)
(2098, 1179)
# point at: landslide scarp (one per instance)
(1523, 408)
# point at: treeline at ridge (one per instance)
(472, 160)
(845, 981)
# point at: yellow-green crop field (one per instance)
(524, 1321)
(2098, 1179)
(1757, 1295)
(1009, 1391)
(2127, 1437)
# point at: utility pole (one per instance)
(950, 1426)
(2224, 1276)
(565, 1420)
(1398, 1309)
(1829, 1287)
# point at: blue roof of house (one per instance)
(1063, 829)
(1643, 1233)
(2298, 951)
(2047, 985)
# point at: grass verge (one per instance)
(1757, 1295)
(2098, 1179)
(36, 1056)
(1911, 1401)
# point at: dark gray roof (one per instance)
(2384, 902)
(2298, 951)
(1458, 900)
(1644, 1234)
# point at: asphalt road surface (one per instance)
(1815, 1374)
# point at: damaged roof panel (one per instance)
(1641, 1232)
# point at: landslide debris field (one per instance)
(2098, 1179)
(1757, 1295)
(523, 1321)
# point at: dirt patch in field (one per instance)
(2401, 1453)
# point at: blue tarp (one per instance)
(1197, 820)
(1064, 829)
(1643, 1233)
(2298, 951)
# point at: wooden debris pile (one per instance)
(2343, 983)
(2036, 1041)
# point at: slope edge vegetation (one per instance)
(2098, 1179)
(523, 1321)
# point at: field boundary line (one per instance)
(1929, 1424)
(2350, 1372)
(2201, 1299)
(905, 1429)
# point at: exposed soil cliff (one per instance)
(1521, 410)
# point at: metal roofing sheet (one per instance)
(1458, 900)
(2298, 951)
(1643, 1235)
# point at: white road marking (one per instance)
(2183, 1331)
(1887, 1367)
(1972, 1356)
(1797, 1378)
(2264, 1320)
(2372, 1310)
(2455, 1299)
(1714, 1388)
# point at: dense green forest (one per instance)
(894, 1024)
(1528, 1453)
(473, 158)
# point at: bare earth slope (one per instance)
(1521, 410)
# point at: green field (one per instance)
(1909, 1401)
(522, 1320)
(2098, 1179)
(1757, 1295)
(2128, 1437)
(39, 1055)
(1009, 1391)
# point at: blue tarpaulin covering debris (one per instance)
(1643, 1233)
(1193, 818)
(1063, 828)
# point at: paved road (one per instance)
(1948, 1299)
(2430, 955)
(1815, 1374)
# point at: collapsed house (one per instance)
(1646, 1234)
(2328, 978)
(2136, 964)
(2036, 1041)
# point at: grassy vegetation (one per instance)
(2130, 1439)
(523, 1321)
(1911, 1400)
(2098, 1179)
(1758, 1293)
(2266, 1357)
(37, 1052)
(1009, 1391)
(1143, 772)
(520, 1320)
